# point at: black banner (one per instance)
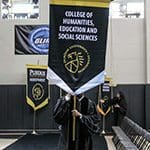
(31, 39)
(106, 95)
(78, 44)
(37, 86)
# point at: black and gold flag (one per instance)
(106, 91)
(37, 86)
(78, 30)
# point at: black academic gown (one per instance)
(85, 126)
(119, 112)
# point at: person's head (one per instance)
(120, 95)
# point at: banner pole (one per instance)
(74, 120)
(103, 131)
(103, 128)
(60, 92)
(100, 95)
(34, 123)
(112, 94)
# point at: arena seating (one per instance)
(130, 136)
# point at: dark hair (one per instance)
(121, 95)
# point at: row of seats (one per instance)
(130, 136)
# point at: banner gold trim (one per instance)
(45, 102)
(100, 3)
(30, 102)
(36, 66)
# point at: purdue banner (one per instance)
(104, 108)
(37, 86)
(78, 44)
(31, 39)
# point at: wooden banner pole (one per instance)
(74, 119)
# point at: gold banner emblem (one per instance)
(37, 91)
(76, 59)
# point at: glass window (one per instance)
(127, 9)
(20, 9)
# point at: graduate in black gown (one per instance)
(87, 122)
(120, 107)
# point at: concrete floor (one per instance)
(110, 143)
(4, 142)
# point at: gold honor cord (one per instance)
(74, 119)
(101, 111)
(85, 3)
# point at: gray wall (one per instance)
(125, 61)
(16, 114)
(13, 66)
(147, 42)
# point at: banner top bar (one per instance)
(36, 66)
(96, 3)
